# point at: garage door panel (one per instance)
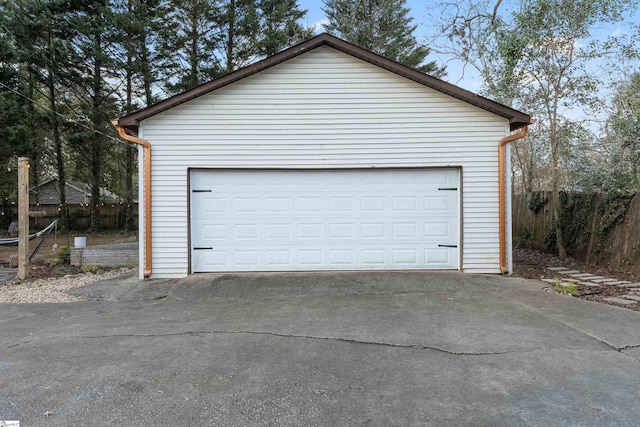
(278, 257)
(279, 231)
(372, 204)
(437, 257)
(372, 230)
(309, 204)
(246, 205)
(217, 232)
(310, 231)
(313, 220)
(209, 205)
(373, 257)
(442, 229)
(342, 204)
(405, 204)
(341, 230)
(310, 258)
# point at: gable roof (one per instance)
(516, 118)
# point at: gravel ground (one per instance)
(53, 289)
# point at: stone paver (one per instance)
(603, 280)
(561, 283)
(620, 301)
(632, 297)
(593, 285)
(590, 280)
(581, 275)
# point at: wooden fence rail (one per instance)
(112, 216)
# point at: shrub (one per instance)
(566, 288)
(64, 270)
(90, 268)
(64, 254)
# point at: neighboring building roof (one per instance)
(516, 118)
(82, 192)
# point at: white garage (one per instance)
(282, 220)
(324, 157)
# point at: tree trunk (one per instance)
(57, 142)
(35, 154)
(194, 59)
(129, 153)
(231, 17)
(146, 71)
(555, 191)
(96, 144)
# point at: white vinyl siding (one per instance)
(324, 109)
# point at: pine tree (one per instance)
(40, 35)
(20, 135)
(279, 26)
(137, 24)
(189, 35)
(381, 26)
(95, 47)
(239, 26)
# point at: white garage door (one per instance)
(280, 220)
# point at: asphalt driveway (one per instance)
(320, 349)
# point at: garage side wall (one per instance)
(324, 109)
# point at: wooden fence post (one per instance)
(23, 216)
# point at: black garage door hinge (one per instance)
(448, 189)
(447, 246)
(201, 191)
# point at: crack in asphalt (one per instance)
(281, 335)
(629, 347)
(600, 340)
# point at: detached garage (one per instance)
(324, 157)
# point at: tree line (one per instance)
(68, 67)
(569, 65)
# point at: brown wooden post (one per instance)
(23, 216)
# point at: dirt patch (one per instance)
(532, 264)
(50, 247)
